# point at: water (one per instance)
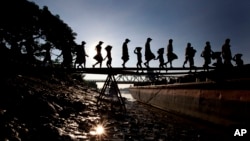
(140, 123)
(128, 96)
(163, 125)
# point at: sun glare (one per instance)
(90, 51)
(99, 130)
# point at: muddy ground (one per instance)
(58, 107)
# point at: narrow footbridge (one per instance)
(142, 71)
(110, 91)
(133, 75)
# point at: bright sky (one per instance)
(194, 21)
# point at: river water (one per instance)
(139, 123)
(162, 125)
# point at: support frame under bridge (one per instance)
(136, 79)
(133, 75)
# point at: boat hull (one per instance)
(205, 101)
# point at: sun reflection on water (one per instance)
(100, 130)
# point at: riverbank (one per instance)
(48, 107)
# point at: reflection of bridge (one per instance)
(110, 90)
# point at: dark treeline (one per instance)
(27, 32)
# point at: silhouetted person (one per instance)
(217, 56)
(170, 54)
(47, 57)
(160, 57)
(80, 55)
(125, 55)
(98, 57)
(191, 59)
(108, 49)
(238, 60)
(30, 47)
(187, 50)
(189, 55)
(207, 55)
(137, 51)
(67, 54)
(148, 53)
(226, 53)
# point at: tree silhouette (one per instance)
(24, 29)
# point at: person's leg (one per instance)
(100, 64)
(95, 64)
(184, 63)
(170, 62)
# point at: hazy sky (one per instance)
(194, 21)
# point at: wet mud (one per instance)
(50, 109)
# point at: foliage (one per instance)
(25, 29)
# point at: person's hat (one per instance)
(161, 50)
(83, 42)
(127, 40)
(138, 48)
(108, 47)
(238, 55)
(100, 42)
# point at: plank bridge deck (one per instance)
(142, 71)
